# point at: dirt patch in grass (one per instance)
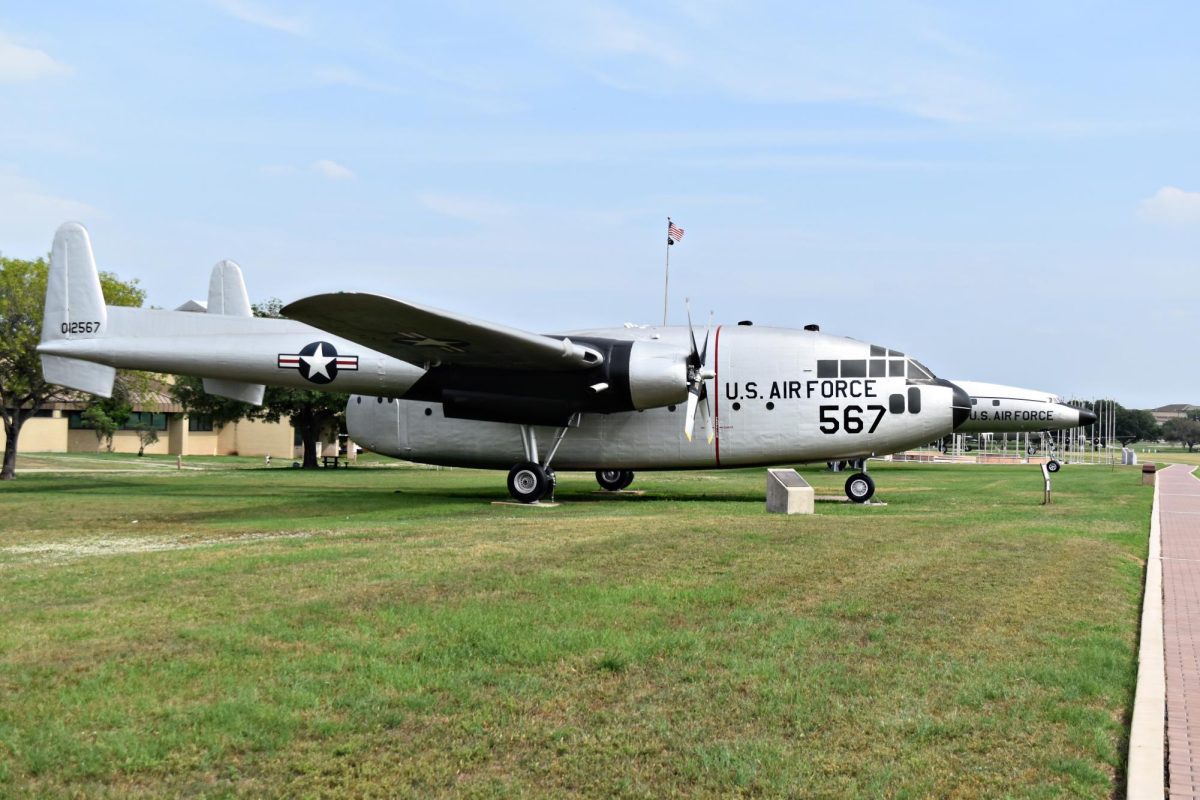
(91, 546)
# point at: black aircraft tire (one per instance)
(528, 482)
(626, 478)
(610, 479)
(551, 485)
(1053, 466)
(859, 487)
(1030, 450)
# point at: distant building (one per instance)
(1173, 411)
(58, 428)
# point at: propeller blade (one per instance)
(704, 351)
(706, 419)
(693, 359)
(698, 374)
(689, 418)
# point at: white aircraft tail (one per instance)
(227, 295)
(227, 291)
(74, 310)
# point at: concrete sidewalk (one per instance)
(1179, 527)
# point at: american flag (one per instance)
(674, 232)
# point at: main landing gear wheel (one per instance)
(859, 487)
(614, 480)
(1053, 466)
(528, 482)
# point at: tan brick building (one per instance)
(59, 428)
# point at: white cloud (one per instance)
(277, 170)
(612, 30)
(818, 54)
(323, 167)
(332, 170)
(29, 214)
(1173, 206)
(346, 76)
(257, 15)
(19, 63)
(467, 208)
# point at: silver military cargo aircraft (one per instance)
(996, 408)
(435, 387)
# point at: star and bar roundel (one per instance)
(318, 362)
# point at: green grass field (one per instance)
(1169, 455)
(389, 632)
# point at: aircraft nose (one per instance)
(961, 403)
(1086, 417)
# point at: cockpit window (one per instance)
(919, 372)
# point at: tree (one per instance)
(310, 411)
(1136, 425)
(107, 415)
(23, 390)
(106, 419)
(1129, 425)
(1184, 430)
(188, 391)
(146, 436)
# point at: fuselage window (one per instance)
(914, 400)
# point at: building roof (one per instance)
(1177, 408)
(158, 399)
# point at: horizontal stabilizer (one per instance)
(85, 376)
(251, 393)
(422, 335)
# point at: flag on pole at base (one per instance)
(674, 232)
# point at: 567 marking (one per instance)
(851, 419)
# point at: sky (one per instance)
(1008, 191)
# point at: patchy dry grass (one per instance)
(390, 633)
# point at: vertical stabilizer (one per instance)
(74, 310)
(74, 301)
(227, 291)
(227, 295)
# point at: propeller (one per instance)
(698, 374)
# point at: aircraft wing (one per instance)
(422, 335)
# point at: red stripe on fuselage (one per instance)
(716, 420)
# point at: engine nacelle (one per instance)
(657, 375)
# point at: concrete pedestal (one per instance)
(788, 493)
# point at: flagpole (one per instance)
(667, 273)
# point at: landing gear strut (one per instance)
(530, 481)
(614, 480)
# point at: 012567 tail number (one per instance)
(851, 420)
